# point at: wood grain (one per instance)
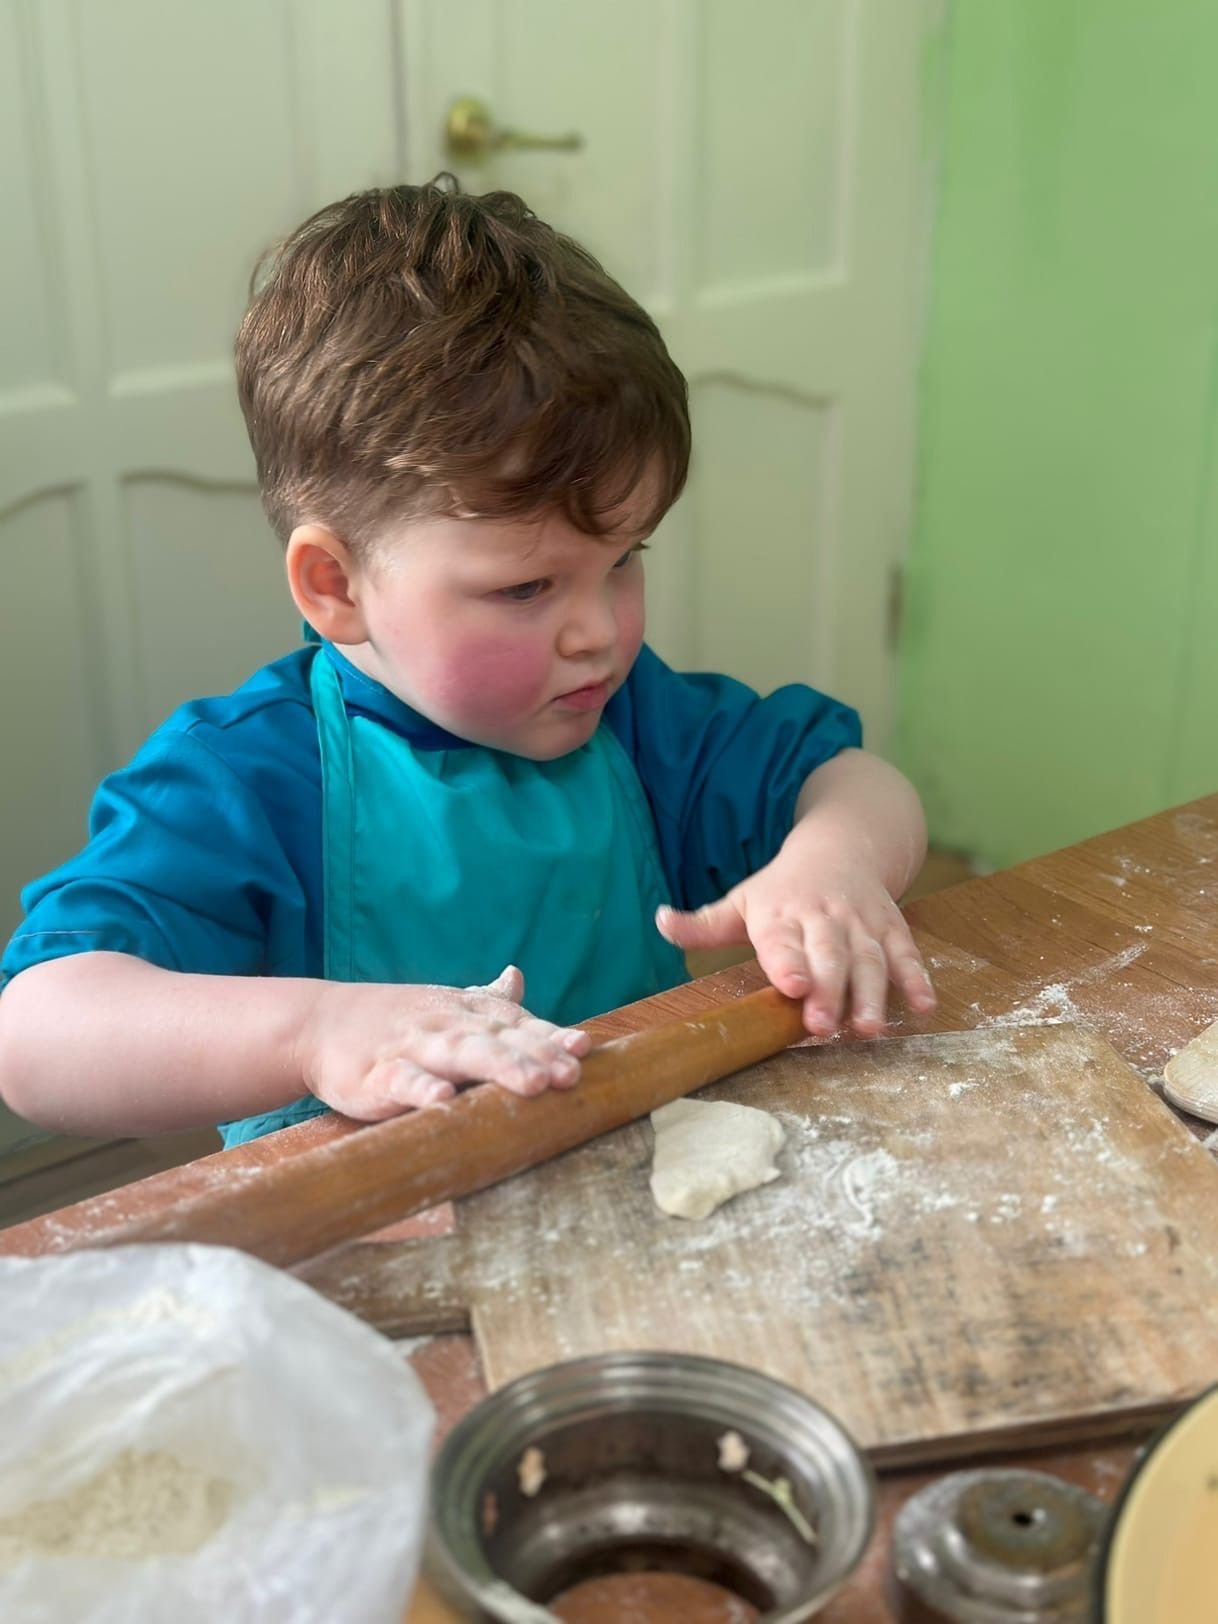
(980, 1239)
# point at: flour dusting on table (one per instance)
(851, 1188)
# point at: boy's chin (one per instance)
(549, 741)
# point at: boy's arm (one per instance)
(103, 1044)
(858, 797)
(822, 916)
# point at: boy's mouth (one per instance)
(590, 697)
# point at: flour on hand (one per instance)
(707, 1151)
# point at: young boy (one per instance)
(301, 895)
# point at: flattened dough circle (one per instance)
(707, 1151)
(1190, 1078)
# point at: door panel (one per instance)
(761, 490)
(773, 111)
(190, 542)
(148, 154)
(751, 173)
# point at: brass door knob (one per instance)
(470, 134)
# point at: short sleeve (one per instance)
(722, 767)
(182, 869)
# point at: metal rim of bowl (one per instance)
(714, 1390)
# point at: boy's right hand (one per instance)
(373, 1051)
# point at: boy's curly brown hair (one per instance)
(418, 350)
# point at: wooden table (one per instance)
(1119, 933)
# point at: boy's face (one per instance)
(509, 633)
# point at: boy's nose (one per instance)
(591, 627)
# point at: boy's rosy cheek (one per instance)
(630, 624)
(489, 678)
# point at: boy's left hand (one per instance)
(824, 929)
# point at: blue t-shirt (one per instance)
(205, 853)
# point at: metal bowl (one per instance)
(618, 1463)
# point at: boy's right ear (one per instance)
(321, 574)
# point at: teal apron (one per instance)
(443, 866)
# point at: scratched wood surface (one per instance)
(976, 1237)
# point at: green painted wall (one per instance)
(1060, 656)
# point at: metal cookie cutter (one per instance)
(997, 1547)
(647, 1463)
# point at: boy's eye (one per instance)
(639, 547)
(525, 592)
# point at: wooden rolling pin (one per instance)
(303, 1205)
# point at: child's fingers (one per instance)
(719, 924)
(780, 951)
(868, 984)
(484, 1011)
(518, 1060)
(829, 958)
(908, 973)
(542, 1039)
(412, 1087)
(523, 1073)
(508, 984)
(555, 1049)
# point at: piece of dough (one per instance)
(707, 1151)
(1190, 1078)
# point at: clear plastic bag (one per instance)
(190, 1399)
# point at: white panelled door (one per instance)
(148, 153)
(751, 174)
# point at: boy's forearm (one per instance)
(101, 1044)
(858, 801)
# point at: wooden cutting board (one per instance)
(978, 1239)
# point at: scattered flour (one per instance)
(1007, 1207)
(861, 1177)
(1051, 1006)
(863, 1183)
(849, 1191)
(1134, 1026)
